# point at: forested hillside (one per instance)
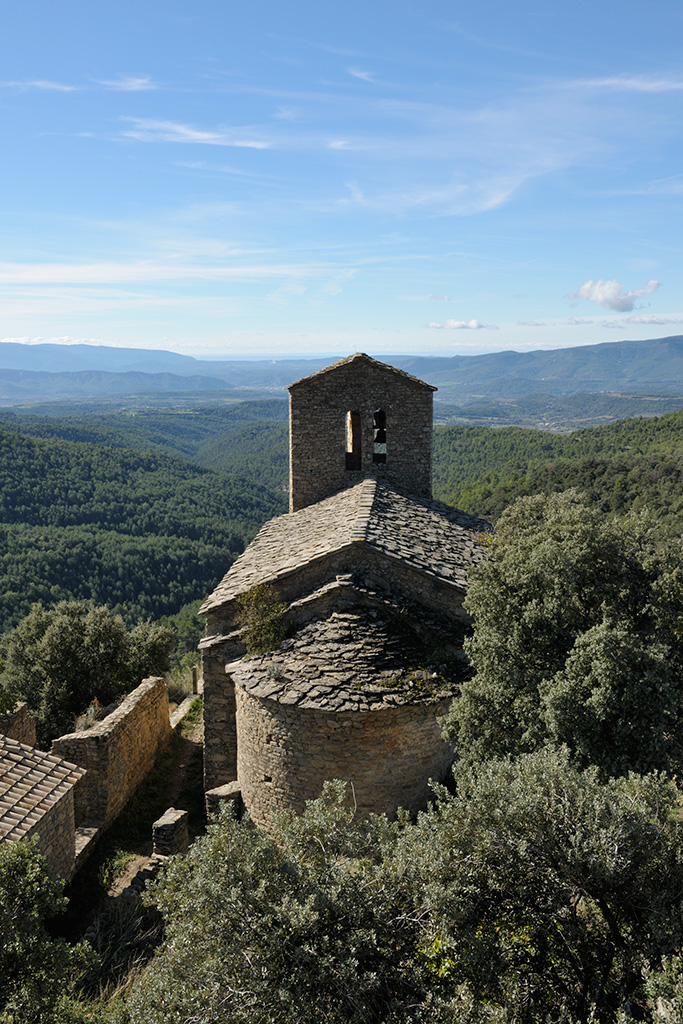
(145, 510)
(144, 533)
(633, 463)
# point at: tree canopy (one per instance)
(535, 893)
(578, 620)
(36, 970)
(59, 659)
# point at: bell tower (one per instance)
(354, 419)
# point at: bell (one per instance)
(380, 419)
(381, 436)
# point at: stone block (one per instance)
(170, 833)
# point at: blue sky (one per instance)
(243, 179)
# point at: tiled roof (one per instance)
(426, 535)
(31, 782)
(347, 661)
(361, 357)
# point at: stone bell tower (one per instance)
(354, 419)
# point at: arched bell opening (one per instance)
(379, 429)
(353, 441)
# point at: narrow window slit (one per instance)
(379, 429)
(353, 448)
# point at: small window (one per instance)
(379, 428)
(353, 449)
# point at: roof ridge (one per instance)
(367, 490)
(364, 357)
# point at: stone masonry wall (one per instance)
(284, 754)
(55, 832)
(220, 733)
(19, 725)
(118, 752)
(317, 442)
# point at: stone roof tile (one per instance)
(31, 782)
(308, 673)
(427, 535)
(361, 357)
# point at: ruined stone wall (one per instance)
(284, 753)
(19, 725)
(55, 832)
(317, 444)
(118, 752)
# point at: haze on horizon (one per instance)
(312, 180)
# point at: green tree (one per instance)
(309, 925)
(577, 626)
(546, 893)
(59, 659)
(260, 612)
(36, 971)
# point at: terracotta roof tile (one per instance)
(31, 782)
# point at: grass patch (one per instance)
(193, 716)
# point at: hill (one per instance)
(634, 463)
(145, 533)
(620, 367)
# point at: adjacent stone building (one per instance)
(37, 800)
(373, 573)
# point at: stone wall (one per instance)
(317, 435)
(285, 753)
(55, 832)
(118, 752)
(220, 734)
(19, 726)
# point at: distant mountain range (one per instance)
(52, 372)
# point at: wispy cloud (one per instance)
(39, 83)
(574, 322)
(651, 318)
(609, 294)
(154, 270)
(532, 323)
(129, 83)
(633, 83)
(366, 76)
(151, 130)
(464, 325)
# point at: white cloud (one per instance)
(366, 76)
(151, 270)
(129, 83)
(39, 83)
(609, 294)
(150, 130)
(439, 298)
(651, 318)
(464, 325)
(634, 83)
(574, 322)
(531, 323)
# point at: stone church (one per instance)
(373, 573)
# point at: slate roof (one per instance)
(31, 782)
(426, 535)
(361, 357)
(348, 661)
